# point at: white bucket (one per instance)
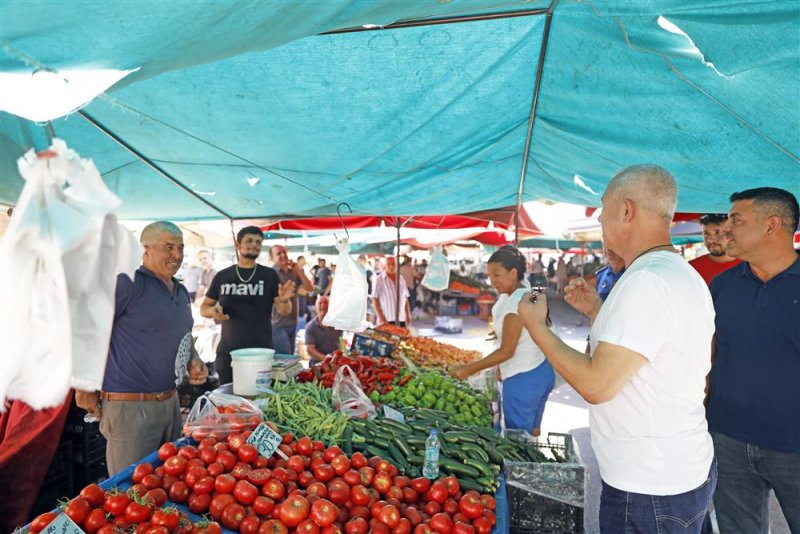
(247, 364)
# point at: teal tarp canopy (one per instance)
(247, 106)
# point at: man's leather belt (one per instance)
(109, 396)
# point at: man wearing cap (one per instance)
(321, 340)
(645, 375)
(150, 351)
(717, 260)
(384, 296)
(754, 399)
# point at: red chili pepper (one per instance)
(405, 380)
(386, 377)
(387, 389)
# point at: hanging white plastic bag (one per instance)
(347, 308)
(437, 275)
(348, 397)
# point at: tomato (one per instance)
(260, 462)
(224, 483)
(338, 491)
(107, 528)
(77, 509)
(144, 468)
(166, 450)
(158, 530)
(95, 520)
(175, 465)
(376, 507)
(179, 492)
(193, 474)
(340, 464)
(189, 452)
(403, 527)
(452, 485)
(211, 527)
(294, 510)
(137, 490)
(41, 521)
(206, 443)
(332, 529)
(389, 515)
(401, 482)
(166, 517)
(235, 441)
(287, 438)
(218, 505)
(412, 514)
(488, 502)
(245, 492)
(410, 496)
(367, 475)
(263, 505)
(304, 446)
(307, 527)
(324, 512)
(227, 459)
(215, 469)
(395, 493)
(463, 528)
(94, 494)
(167, 481)
(332, 452)
(274, 489)
(250, 525)
(317, 488)
(273, 526)
(204, 485)
(450, 506)
(295, 463)
(247, 452)
(471, 505)
(432, 508)
(385, 467)
(198, 503)
(137, 512)
(356, 526)
(241, 470)
(115, 503)
(232, 516)
(324, 472)
(156, 496)
(382, 482)
(421, 485)
(281, 474)
(441, 523)
(482, 526)
(422, 529)
(437, 492)
(359, 495)
(379, 528)
(151, 481)
(207, 454)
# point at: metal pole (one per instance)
(437, 21)
(397, 278)
(532, 117)
(150, 163)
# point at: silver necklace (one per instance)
(236, 267)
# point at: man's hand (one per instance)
(533, 314)
(198, 372)
(461, 372)
(286, 291)
(89, 401)
(217, 314)
(583, 297)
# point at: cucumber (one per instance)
(360, 423)
(403, 446)
(495, 456)
(374, 450)
(398, 427)
(475, 451)
(416, 459)
(470, 484)
(459, 468)
(347, 440)
(381, 442)
(437, 414)
(449, 437)
(396, 455)
(464, 436)
(484, 468)
(414, 439)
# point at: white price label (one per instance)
(62, 525)
(391, 413)
(266, 441)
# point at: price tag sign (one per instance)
(62, 525)
(266, 441)
(391, 413)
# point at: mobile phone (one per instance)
(535, 292)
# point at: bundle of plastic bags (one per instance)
(347, 308)
(437, 275)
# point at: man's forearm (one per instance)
(314, 354)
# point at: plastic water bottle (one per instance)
(430, 467)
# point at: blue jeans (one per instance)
(746, 474)
(524, 397)
(283, 339)
(623, 512)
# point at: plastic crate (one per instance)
(556, 504)
(368, 346)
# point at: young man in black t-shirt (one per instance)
(241, 297)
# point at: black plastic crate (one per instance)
(534, 514)
(368, 346)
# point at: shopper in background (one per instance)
(284, 327)
(384, 296)
(241, 297)
(717, 260)
(321, 340)
(650, 352)
(150, 351)
(362, 261)
(527, 376)
(322, 276)
(207, 274)
(609, 275)
(409, 274)
(754, 403)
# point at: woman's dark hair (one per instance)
(510, 258)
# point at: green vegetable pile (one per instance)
(435, 390)
(305, 409)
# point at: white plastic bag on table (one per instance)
(347, 308)
(348, 397)
(437, 274)
(59, 261)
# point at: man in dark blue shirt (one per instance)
(608, 275)
(150, 352)
(754, 402)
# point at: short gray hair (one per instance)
(653, 189)
(153, 230)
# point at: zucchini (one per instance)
(484, 468)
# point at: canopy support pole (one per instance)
(437, 21)
(151, 163)
(532, 117)
(397, 276)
